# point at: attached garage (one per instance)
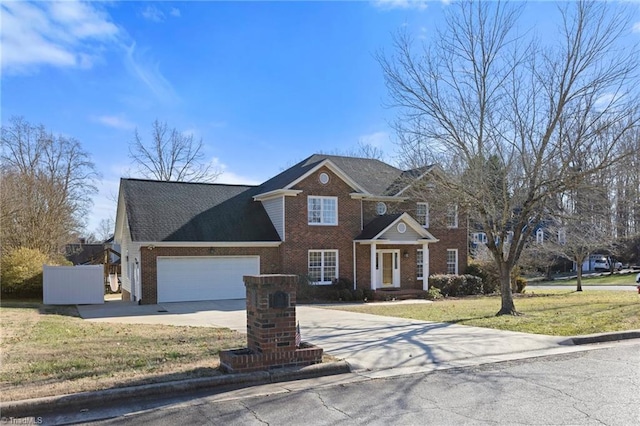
(186, 279)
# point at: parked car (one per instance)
(602, 264)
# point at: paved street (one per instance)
(591, 387)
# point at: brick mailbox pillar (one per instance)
(271, 328)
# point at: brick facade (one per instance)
(300, 237)
(292, 256)
(269, 262)
(449, 238)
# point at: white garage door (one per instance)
(184, 279)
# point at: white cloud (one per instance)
(377, 139)
(82, 20)
(194, 133)
(606, 101)
(636, 27)
(149, 73)
(115, 121)
(401, 4)
(229, 177)
(152, 13)
(423, 33)
(61, 34)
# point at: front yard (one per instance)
(51, 351)
(556, 313)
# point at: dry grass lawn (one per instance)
(551, 312)
(51, 352)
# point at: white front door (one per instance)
(388, 268)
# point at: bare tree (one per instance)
(367, 150)
(171, 156)
(362, 150)
(581, 225)
(47, 182)
(105, 229)
(514, 123)
(626, 190)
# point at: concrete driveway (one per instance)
(366, 342)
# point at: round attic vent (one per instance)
(381, 208)
(323, 178)
(402, 228)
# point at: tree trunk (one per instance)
(508, 307)
(579, 278)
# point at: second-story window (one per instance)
(322, 210)
(452, 216)
(562, 236)
(422, 214)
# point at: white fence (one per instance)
(73, 285)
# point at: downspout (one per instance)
(354, 265)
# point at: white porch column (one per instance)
(425, 267)
(373, 266)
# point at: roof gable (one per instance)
(381, 228)
(366, 175)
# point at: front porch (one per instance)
(392, 253)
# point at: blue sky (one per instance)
(264, 84)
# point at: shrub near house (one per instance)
(21, 271)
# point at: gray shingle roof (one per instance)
(178, 211)
(374, 176)
(405, 178)
(376, 226)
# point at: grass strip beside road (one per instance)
(550, 312)
(51, 351)
(605, 279)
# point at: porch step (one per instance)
(398, 294)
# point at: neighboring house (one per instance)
(81, 253)
(105, 254)
(325, 217)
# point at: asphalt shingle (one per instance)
(374, 176)
(179, 211)
(376, 226)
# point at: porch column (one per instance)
(425, 267)
(373, 266)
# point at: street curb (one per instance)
(605, 337)
(83, 400)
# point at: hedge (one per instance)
(21, 271)
(456, 285)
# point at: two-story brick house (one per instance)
(324, 218)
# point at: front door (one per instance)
(388, 268)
